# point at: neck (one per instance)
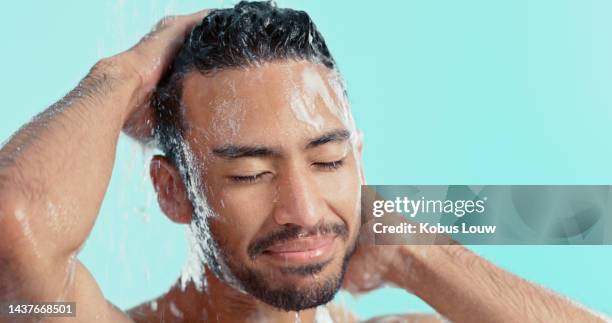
(219, 302)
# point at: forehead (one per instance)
(288, 100)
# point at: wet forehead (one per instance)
(280, 100)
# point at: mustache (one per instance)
(292, 232)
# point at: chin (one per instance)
(295, 287)
(295, 292)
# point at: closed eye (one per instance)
(330, 165)
(247, 179)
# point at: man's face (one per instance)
(277, 153)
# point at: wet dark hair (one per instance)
(248, 34)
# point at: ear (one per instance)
(171, 191)
(359, 145)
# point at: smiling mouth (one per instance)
(303, 250)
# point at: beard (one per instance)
(209, 251)
(263, 284)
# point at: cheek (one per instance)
(241, 213)
(342, 192)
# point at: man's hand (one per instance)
(376, 256)
(370, 265)
(149, 59)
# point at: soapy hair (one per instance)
(248, 34)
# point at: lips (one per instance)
(304, 249)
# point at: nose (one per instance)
(298, 201)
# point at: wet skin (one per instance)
(266, 170)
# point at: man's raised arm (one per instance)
(458, 284)
(461, 286)
(55, 170)
(466, 288)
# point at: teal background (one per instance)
(446, 92)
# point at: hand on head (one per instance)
(147, 61)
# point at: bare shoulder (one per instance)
(161, 309)
(340, 314)
(145, 312)
(91, 305)
(408, 318)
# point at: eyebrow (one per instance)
(234, 151)
(332, 136)
(231, 151)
